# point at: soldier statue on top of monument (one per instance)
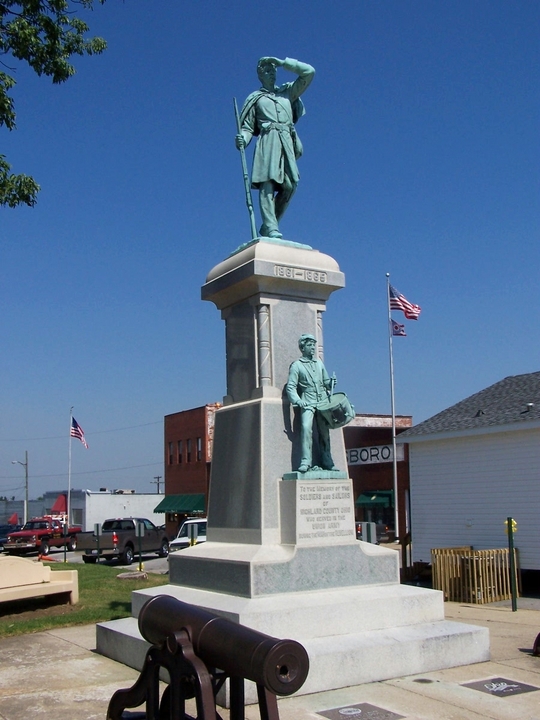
(270, 114)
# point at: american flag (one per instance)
(400, 302)
(77, 432)
(398, 329)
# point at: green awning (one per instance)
(376, 499)
(182, 504)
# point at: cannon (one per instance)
(200, 650)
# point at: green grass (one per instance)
(101, 597)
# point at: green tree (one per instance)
(45, 34)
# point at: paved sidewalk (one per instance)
(58, 675)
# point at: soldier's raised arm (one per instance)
(305, 73)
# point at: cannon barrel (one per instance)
(280, 665)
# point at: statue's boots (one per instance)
(327, 462)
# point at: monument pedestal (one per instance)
(282, 555)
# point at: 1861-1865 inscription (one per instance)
(295, 273)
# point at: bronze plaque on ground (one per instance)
(501, 687)
(362, 711)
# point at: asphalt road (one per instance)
(152, 563)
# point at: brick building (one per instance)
(188, 439)
(368, 442)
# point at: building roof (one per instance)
(516, 399)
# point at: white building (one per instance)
(474, 465)
(89, 507)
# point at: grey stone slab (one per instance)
(252, 571)
(314, 614)
(316, 475)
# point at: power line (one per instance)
(95, 432)
(89, 472)
(12, 489)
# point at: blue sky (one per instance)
(421, 159)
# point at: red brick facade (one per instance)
(188, 452)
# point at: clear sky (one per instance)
(421, 159)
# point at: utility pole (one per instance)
(25, 466)
(156, 481)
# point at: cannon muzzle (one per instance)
(280, 665)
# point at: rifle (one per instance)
(247, 187)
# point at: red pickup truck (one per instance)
(40, 534)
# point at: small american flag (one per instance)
(398, 329)
(400, 302)
(77, 432)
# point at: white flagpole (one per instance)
(68, 508)
(394, 461)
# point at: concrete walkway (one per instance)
(58, 674)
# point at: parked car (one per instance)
(189, 528)
(4, 532)
(383, 532)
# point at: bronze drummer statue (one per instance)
(310, 388)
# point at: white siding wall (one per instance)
(101, 506)
(463, 489)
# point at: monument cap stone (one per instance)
(271, 268)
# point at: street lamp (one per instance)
(25, 466)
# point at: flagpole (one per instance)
(394, 456)
(68, 508)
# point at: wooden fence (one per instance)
(473, 576)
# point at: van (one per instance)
(191, 528)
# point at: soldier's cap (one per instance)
(304, 338)
(264, 62)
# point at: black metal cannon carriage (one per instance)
(200, 651)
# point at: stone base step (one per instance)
(314, 614)
(342, 661)
(352, 636)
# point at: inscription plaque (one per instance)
(323, 512)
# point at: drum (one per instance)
(338, 411)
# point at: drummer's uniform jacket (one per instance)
(308, 380)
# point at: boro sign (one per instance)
(375, 454)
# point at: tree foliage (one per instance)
(45, 34)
